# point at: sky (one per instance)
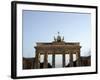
(42, 26)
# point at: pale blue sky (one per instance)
(42, 26)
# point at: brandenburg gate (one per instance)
(58, 46)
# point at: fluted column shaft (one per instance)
(37, 60)
(71, 59)
(53, 60)
(45, 60)
(63, 60)
(78, 58)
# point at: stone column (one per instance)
(53, 60)
(63, 60)
(37, 61)
(45, 65)
(78, 58)
(71, 59)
